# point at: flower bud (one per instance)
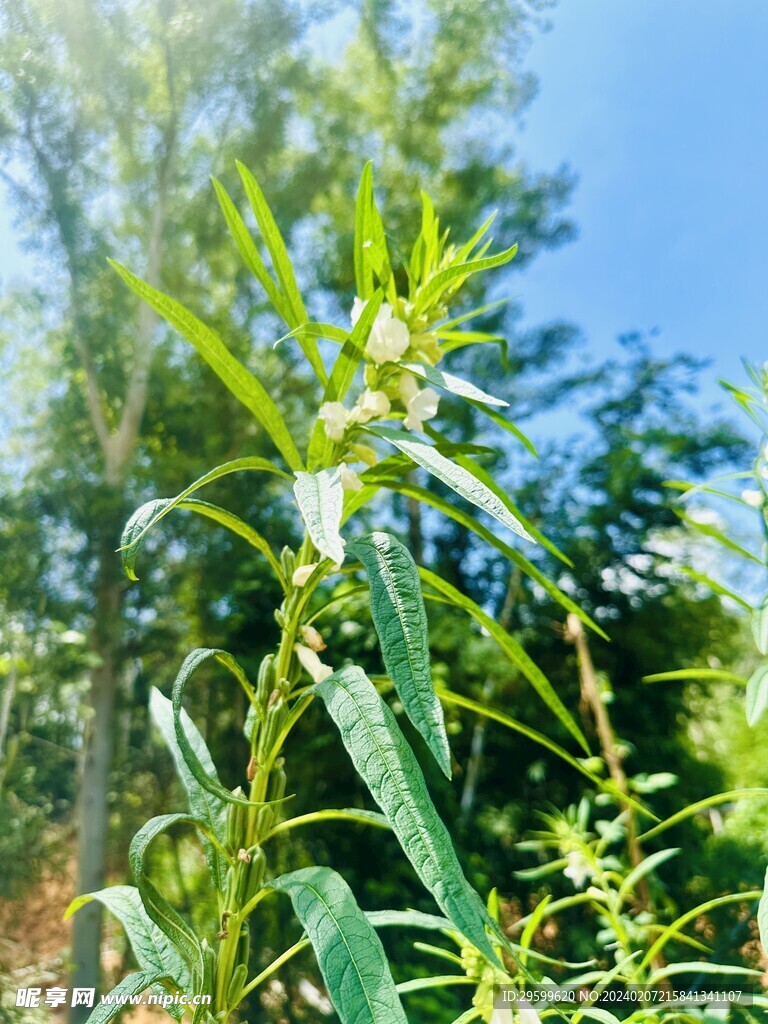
(312, 664)
(302, 574)
(312, 638)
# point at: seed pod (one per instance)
(273, 721)
(265, 682)
(287, 562)
(229, 884)
(237, 984)
(257, 870)
(236, 821)
(265, 818)
(280, 618)
(277, 780)
(243, 945)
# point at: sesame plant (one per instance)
(378, 382)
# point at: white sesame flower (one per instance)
(334, 415)
(312, 639)
(579, 870)
(371, 405)
(312, 664)
(350, 481)
(753, 498)
(357, 310)
(389, 337)
(502, 1015)
(302, 574)
(420, 403)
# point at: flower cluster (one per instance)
(387, 381)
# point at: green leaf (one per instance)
(149, 514)
(363, 271)
(358, 815)
(349, 952)
(671, 931)
(246, 388)
(389, 768)
(757, 694)
(236, 525)
(511, 648)
(459, 700)
(451, 275)
(526, 566)
(197, 767)
(400, 619)
(714, 586)
(202, 804)
(409, 919)
(439, 981)
(695, 673)
(702, 967)
(132, 985)
(645, 867)
(321, 499)
(168, 920)
(456, 477)
(153, 950)
(455, 385)
(701, 805)
(760, 627)
(711, 531)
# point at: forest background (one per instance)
(112, 118)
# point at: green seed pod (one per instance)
(244, 945)
(287, 562)
(236, 822)
(265, 818)
(237, 984)
(280, 618)
(257, 870)
(265, 682)
(277, 780)
(230, 883)
(273, 721)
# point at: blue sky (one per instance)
(660, 107)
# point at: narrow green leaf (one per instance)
(149, 514)
(455, 385)
(438, 284)
(459, 700)
(701, 805)
(249, 253)
(350, 954)
(357, 815)
(711, 531)
(760, 627)
(321, 499)
(501, 421)
(447, 325)
(154, 952)
(243, 385)
(439, 981)
(409, 919)
(671, 931)
(400, 619)
(389, 768)
(717, 588)
(456, 477)
(644, 868)
(192, 759)
(168, 920)
(512, 649)
(702, 967)
(695, 673)
(236, 525)
(316, 330)
(757, 694)
(202, 804)
(363, 271)
(275, 245)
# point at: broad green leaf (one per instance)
(455, 385)
(153, 950)
(342, 375)
(202, 803)
(168, 920)
(525, 565)
(757, 694)
(701, 805)
(400, 619)
(645, 867)
(695, 673)
(244, 386)
(350, 954)
(132, 985)
(451, 275)
(149, 514)
(458, 700)
(456, 477)
(511, 648)
(192, 759)
(321, 499)
(387, 764)
(760, 627)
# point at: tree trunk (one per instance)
(93, 808)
